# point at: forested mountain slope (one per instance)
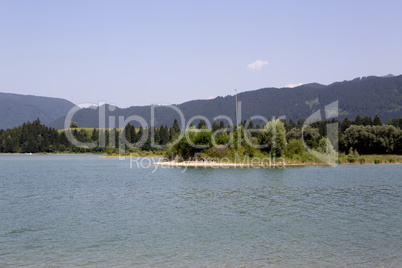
(16, 109)
(370, 96)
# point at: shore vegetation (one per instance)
(362, 141)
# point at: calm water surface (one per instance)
(88, 211)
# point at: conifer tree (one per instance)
(346, 123)
(175, 128)
(358, 121)
(377, 121)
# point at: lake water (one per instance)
(90, 211)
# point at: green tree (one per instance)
(295, 149)
(147, 145)
(377, 121)
(300, 122)
(73, 124)
(182, 149)
(293, 134)
(311, 136)
(175, 128)
(290, 125)
(164, 135)
(346, 123)
(358, 121)
(367, 121)
(133, 134)
(273, 136)
(202, 124)
(139, 134)
(221, 138)
(372, 139)
(8, 145)
(203, 138)
(215, 126)
(95, 135)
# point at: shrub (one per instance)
(218, 151)
(248, 149)
(295, 148)
(110, 151)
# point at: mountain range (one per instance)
(370, 96)
(16, 109)
(362, 96)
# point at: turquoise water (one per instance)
(88, 211)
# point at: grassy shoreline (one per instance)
(212, 164)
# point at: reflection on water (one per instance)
(92, 211)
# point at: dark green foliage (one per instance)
(250, 124)
(221, 137)
(164, 135)
(396, 122)
(289, 125)
(215, 126)
(311, 136)
(377, 121)
(139, 135)
(367, 121)
(182, 149)
(345, 124)
(295, 147)
(130, 136)
(35, 137)
(321, 126)
(356, 139)
(73, 125)
(273, 137)
(29, 138)
(194, 141)
(358, 121)
(203, 139)
(175, 128)
(147, 145)
(293, 134)
(202, 124)
(300, 122)
(383, 139)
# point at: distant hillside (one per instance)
(362, 96)
(16, 109)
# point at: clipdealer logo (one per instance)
(330, 156)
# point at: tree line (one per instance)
(363, 135)
(287, 138)
(37, 138)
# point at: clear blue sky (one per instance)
(144, 52)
